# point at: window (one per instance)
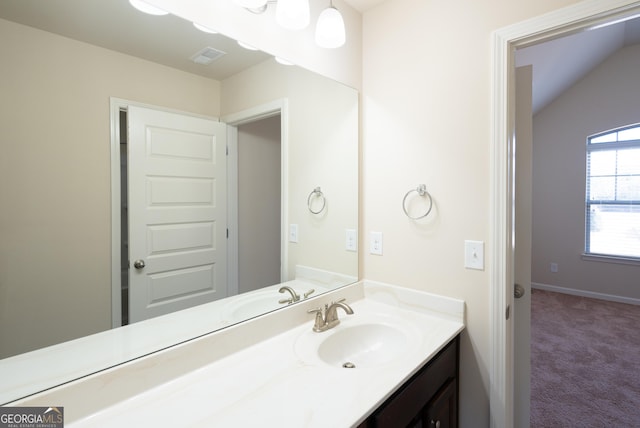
(613, 194)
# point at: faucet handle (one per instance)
(308, 293)
(287, 301)
(319, 324)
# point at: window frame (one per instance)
(606, 146)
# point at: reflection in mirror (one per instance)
(70, 80)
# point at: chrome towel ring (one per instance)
(421, 190)
(318, 194)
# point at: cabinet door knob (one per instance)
(435, 423)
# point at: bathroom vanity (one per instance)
(393, 362)
(428, 399)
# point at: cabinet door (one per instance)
(442, 412)
(408, 406)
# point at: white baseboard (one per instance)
(583, 293)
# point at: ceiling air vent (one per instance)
(206, 56)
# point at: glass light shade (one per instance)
(252, 4)
(204, 29)
(145, 7)
(247, 46)
(330, 32)
(293, 14)
(283, 61)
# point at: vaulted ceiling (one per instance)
(560, 63)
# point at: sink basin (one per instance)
(258, 302)
(364, 345)
(363, 342)
(253, 304)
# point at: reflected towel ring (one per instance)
(318, 193)
(422, 191)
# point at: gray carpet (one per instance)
(585, 362)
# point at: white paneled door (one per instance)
(177, 212)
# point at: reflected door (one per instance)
(177, 212)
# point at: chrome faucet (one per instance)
(328, 318)
(294, 296)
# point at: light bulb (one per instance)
(293, 14)
(330, 32)
(145, 7)
(252, 4)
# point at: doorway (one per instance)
(262, 128)
(259, 185)
(566, 21)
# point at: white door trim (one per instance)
(262, 111)
(115, 106)
(562, 22)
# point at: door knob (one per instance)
(518, 291)
(139, 264)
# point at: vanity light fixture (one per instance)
(295, 15)
(247, 46)
(204, 29)
(283, 61)
(252, 4)
(145, 7)
(330, 32)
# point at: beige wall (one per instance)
(322, 135)
(55, 177)
(259, 204)
(607, 98)
(426, 119)
(426, 99)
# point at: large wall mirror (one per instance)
(74, 74)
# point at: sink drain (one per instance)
(349, 365)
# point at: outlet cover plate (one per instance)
(376, 243)
(352, 240)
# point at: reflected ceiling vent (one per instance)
(206, 56)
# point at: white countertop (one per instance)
(48, 367)
(226, 379)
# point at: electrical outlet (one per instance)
(352, 240)
(293, 233)
(553, 267)
(376, 243)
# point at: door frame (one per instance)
(263, 111)
(115, 106)
(585, 15)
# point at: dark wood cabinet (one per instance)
(428, 400)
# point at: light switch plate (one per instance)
(474, 255)
(293, 233)
(375, 244)
(352, 240)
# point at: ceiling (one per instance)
(560, 63)
(171, 41)
(115, 25)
